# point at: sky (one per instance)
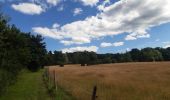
(102, 26)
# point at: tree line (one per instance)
(18, 50)
(89, 58)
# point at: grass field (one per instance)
(124, 81)
(29, 86)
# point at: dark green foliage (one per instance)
(165, 53)
(91, 58)
(56, 58)
(149, 54)
(135, 54)
(33, 66)
(83, 58)
(18, 50)
(104, 58)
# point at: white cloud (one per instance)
(76, 49)
(105, 44)
(134, 17)
(53, 33)
(75, 40)
(135, 36)
(130, 37)
(66, 42)
(128, 49)
(56, 25)
(102, 6)
(81, 40)
(116, 44)
(143, 36)
(28, 8)
(89, 2)
(53, 2)
(77, 11)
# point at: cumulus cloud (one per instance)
(116, 44)
(134, 17)
(130, 37)
(88, 2)
(105, 44)
(135, 36)
(76, 49)
(77, 11)
(28, 8)
(33, 7)
(75, 40)
(56, 25)
(53, 2)
(53, 33)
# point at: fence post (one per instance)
(94, 93)
(55, 83)
(48, 73)
(54, 77)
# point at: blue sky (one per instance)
(103, 26)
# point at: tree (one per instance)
(126, 57)
(92, 58)
(18, 50)
(135, 55)
(84, 58)
(38, 51)
(165, 53)
(149, 54)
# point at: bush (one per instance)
(3, 81)
(33, 66)
(6, 79)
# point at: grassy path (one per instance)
(28, 87)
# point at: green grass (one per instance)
(28, 87)
(61, 94)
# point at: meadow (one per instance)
(122, 81)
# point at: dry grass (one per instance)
(124, 81)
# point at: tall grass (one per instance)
(54, 90)
(127, 81)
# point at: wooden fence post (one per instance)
(48, 73)
(94, 93)
(54, 77)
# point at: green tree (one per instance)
(18, 50)
(135, 55)
(149, 54)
